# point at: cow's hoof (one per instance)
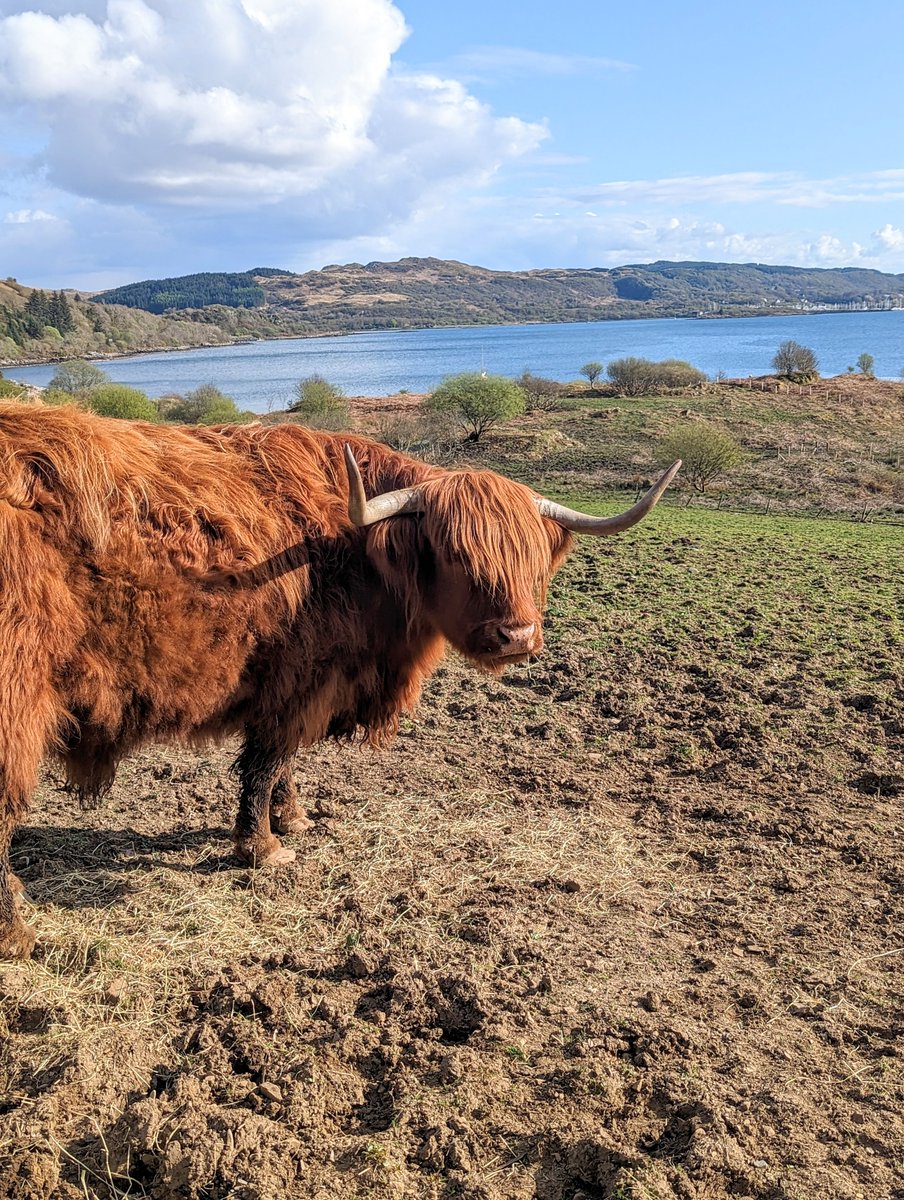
(296, 823)
(17, 940)
(278, 857)
(271, 853)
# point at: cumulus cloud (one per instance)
(889, 237)
(226, 105)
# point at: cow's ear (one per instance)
(399, 551)
(562, 541)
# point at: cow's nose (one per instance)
(516, 639)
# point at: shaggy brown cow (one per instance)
(172, 583)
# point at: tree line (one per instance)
(233, 290)
(41, 310)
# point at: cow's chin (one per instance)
(495, 664)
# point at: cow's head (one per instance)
(478, 561)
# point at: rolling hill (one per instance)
(420, 292)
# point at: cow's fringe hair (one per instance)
(492, 526)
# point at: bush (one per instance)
(795, 362)
(675, 373)
(478, 401)
(119, 400)
(542, 395)
(10, 390)
(206, 405)
(866, 365)
(77, 376)
(591, 372)
(421, 433)
(320, 404)
(705, 452)
(54, 397)
(641, 377)
(632, 376)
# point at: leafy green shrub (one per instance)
(320, 404)
(478, 401)
(119, 400)
(866, 365)
(705, 452)
(10, 390)
(675, 373)
(205, 405)
(77, 376)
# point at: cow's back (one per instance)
(148, 550)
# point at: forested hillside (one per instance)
(423, 292)
(38, 326)
(236, 290)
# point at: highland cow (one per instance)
(165, 583)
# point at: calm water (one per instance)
(263, 375)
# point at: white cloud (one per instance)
(494, 62)
(890, 238)
(227, 105)
(752, 187)
(26, 216)
(152, 137)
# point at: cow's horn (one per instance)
(362, 511)
(583, 523)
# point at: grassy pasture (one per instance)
(834, 449)
(624, 924)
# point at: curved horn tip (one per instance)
(357, 497)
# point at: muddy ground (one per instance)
(624, 924)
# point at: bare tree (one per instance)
(542, 394)
(795, 362)
(591, 372)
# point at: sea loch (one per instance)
(262, 375)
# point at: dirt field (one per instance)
(625, 924)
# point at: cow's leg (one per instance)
(286, 813)
(259, 766)
(18, 772)
(16, 938)
(90, 762)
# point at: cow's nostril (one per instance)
(516, 636)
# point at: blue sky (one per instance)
(155, 137)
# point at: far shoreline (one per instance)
(98, 356)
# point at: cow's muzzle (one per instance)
(503, 642)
